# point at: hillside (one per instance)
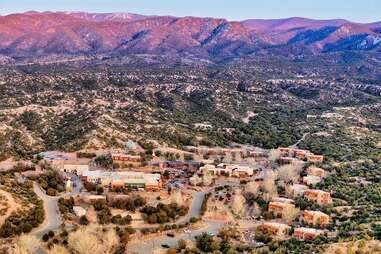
(33, 34)
(268, 104)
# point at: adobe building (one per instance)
(121, 180)
(126, 158)
(296, 190)
(283, 200)
(320, 197)
(287, 160)
(315, 171)
(316, 218)
(280, 209)
(315, 158)
(274, 228)
(228, 170)
(307, 234)
(301, 154)
(311, 180)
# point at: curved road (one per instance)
(195, 209)
(52, 215)
(147, 247)
(53, 222)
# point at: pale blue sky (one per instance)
(355, 10)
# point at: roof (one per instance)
(129, 176)
(299, 186)
(315, 191)
(312, 177)
(316, 213)
(275, 225)
(309, 230)
(283, 200)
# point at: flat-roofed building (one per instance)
(315, 171)
(275, 228)
(228, 170)
(318, 196)
(287, 160)
(286, 150)
(180, 165)
(209, 169)
(307, 234)
(123, 179)
(316, 218)
(283, 200)
(280, 209)
(301, 154)
(296, 190)
(311, 180)
(315, 158)
(71, 166)
(79, 211)
(126, 158)
(195, 180)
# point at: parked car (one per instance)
(170, 235)
(165, 246)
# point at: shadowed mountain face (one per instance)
(42, 34)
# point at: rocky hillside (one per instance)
(268, 104)
(34, 34)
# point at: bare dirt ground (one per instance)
(8, 205)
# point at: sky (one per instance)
(355, 10)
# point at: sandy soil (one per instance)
(7, 205)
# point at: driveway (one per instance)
(52, 216)
(195, 209)
(148, 246)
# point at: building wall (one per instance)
(306, 234)
(315, 218)
(320, 197)
(275, 229)
(79, 169)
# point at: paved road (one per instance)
(52, 215)
(195, 209)
(147, 247)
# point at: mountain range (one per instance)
(34, 34)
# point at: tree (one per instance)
(83, 220)
(45, 237)
(206, 243)
(104, 161)
(100, 190)
(89, 186)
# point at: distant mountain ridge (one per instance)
(39, 34)
(101, 17)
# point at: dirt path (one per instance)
(300, 140)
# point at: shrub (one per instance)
(83, 220)
(45, 237)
